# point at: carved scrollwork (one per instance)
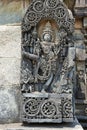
(51, 3)
(60, 12)
(31, 17)
(50, 8)
(38, 6)
(67, 108)
(26, 27)
(31, 107)
(48, 109)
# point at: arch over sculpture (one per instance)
(52, 9)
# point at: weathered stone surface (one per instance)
(79, 44)
(47, 67)
(78, 35)
(10, 58)
(9, 104)
(12, 11)
(80, 8)
(85, 22)
(69, 126)
(10, 41)
(70, 4)
(80, 65)
(71, 56)
(9, 71)
(78, 23)
(80, 54)
(10, 55)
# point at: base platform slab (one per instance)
(64, 126)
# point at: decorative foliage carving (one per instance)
(42, 107)
(48, 8)
(52, 3)
(48, 109)
(31, 107)
(60, 12)
(67, 108)
(38, 6)
(31, 17)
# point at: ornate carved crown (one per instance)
(48, 27)
(48, 30)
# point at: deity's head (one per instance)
(47, 37)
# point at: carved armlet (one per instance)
(30, 56)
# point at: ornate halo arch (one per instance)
(53, 9)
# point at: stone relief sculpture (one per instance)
(47, 72)
(81, 85)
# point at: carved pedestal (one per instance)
(45, 107)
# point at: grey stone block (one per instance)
(10, 41)
(10, 62)
(9, 104)
(9, 71)
(78, 35)
(80, 54)
(85, 22)
(71, 56)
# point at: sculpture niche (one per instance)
(47, 76)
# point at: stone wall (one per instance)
(12, 11)
(10, 61)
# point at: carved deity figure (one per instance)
(46, 66)
(44, 59)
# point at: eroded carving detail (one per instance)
(81, 85)
(50, 8)
(52, 3)
(49, 109)
(67, 108)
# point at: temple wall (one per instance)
(10, 59)
(12, 11)
(11, 14)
